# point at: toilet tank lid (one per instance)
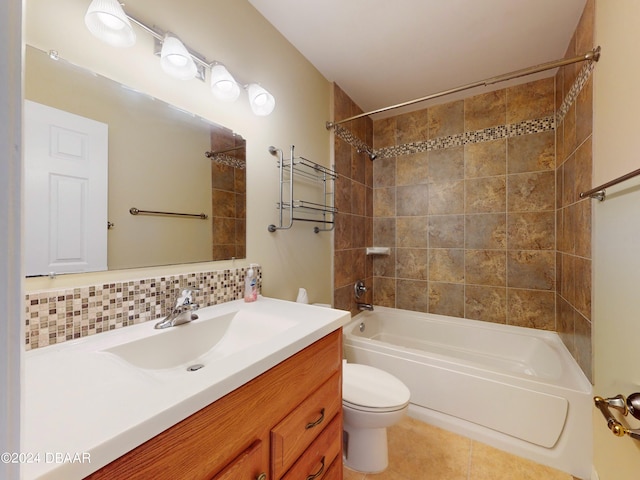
(371, 387)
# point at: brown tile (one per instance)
(343, 195)
(583, 349)
(568, 181)
(446, 299)
(384, 202)
(359, 232)
(570, 72)
(531, 308)
(412, 127)
(384, 133)
(384, 172)
(485, 195)
(352, 475)
(412, 200)
(384, 291)
(343, 232)
(585, 30)
(486, 231)
(341, 102)
(412, 263)
(446, 265)
(531, 231)
(446, 119)
(446, 231)
(385, 265)
(358, 162)
(568, 285)
(582, 281)
(488, 304)
(531, 153)
(384, 232)
(531, 269)
(485, 110)
(485, 159)
(583, 169)
(446, 164)
(561, 155)
(569, 138)
(358, 198)
(584, 112)
(583, 228)
(446, 198)
(531, 192)
(412, 169)
(488, 463)
(412, 295)
(342, 298)
(343, 268)
(342, 154)
(485, 267)
(530, 101)
(565, 323)
(224, 203)
(411, 232)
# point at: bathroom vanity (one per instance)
(268, 410)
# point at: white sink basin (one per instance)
(201, 340)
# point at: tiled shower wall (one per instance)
(573, 214)
(479, 204)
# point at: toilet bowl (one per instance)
(372, 400)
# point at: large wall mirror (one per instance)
(157, 162)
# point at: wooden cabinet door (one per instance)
(247, 466)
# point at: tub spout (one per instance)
(365, 306)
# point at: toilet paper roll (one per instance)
(302, 296)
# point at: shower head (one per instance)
(370, 153)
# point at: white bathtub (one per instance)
(515, 388)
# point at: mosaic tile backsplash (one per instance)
(55, 316)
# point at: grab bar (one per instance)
(135, 211)
(623, 406)
(599, 192)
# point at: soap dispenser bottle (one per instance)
(251, 284)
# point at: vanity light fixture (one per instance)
(223, 86)
(175, 60)
(262, 102)
(107, 21)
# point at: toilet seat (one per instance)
(370, 389)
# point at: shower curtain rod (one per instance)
(591, 55)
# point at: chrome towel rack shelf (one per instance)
(323, 211)
(599, 191)
(136, 211)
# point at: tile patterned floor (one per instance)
(418, 451)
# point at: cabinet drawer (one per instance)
(247, 466)
(317, 459)
(335, 471)
(296, 432)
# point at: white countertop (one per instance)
(83, 407)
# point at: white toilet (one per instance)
(372, 400)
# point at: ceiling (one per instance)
(383, 52)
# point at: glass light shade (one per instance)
(223, 85)
(107, 21)
(262, 102)
(175, 60)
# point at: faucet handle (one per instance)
(185, 297)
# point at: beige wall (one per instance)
(616, 236)
(232, 32)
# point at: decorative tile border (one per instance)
(486, 135)
(55, 316)
(228, 160)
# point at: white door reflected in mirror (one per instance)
(66, 165)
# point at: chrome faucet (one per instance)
(183, 310)
(365, 306)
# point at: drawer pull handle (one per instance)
(317, 422)
(262, 476)
(319, 472)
